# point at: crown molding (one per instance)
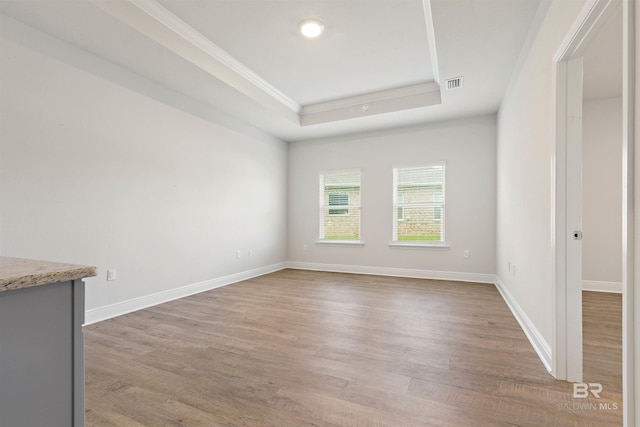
(386, 101)
(368, 98)
(431, 39)
(155, 21)
(166, 17)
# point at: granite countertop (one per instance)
(18, 273)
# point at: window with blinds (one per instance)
(419, 204)
(340, 205)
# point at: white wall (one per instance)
(602, 191)
(93, 173)
(467, 146)
(524, 155)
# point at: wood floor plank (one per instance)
(602, 336)
(300, 348)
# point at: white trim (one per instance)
(414, 244)
(565, 188)
(163, 26)
(184, 30)
(113, 310)
(431, 39)
(403, 98)
(540, 345)
(358, 243)
(418, 164)
(368, 98)
(395, 272)
(596, 286)
(160, 24)
(177, 25)
(630, 215)
(592, 17)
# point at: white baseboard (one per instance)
(124, 307)
(540, 345)
(397, 272)
(595, 286)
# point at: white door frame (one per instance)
(630, 216)
(567, 340)
(567, 345)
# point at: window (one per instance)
(419, 207)
(338, 200)
(340, 205)
(400, 209)
(437, 211)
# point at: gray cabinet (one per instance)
(42, 356)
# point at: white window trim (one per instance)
(331, 242)
(413, 244)
(336, 242)
(420, 244)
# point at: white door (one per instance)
(574, 220)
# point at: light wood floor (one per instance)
(298, 348)
(602, 340)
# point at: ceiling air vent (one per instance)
(454, 83)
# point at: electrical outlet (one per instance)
(111, 274)
(238, 254)
(466, 253)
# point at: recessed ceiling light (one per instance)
(311, 28)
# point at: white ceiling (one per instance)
(367, 46)
(245, 58)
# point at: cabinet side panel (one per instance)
(36, 363)
(78, 353)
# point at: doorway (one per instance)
(602, 208)
(567, 245)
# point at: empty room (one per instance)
(318, 213)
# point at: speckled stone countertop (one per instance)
(18, 273)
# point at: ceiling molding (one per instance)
(168, 60)
(163, 15)
(161, 25)
(431, 39)
(386, 101)
(596, 14)
(369, 98)
(154, 20)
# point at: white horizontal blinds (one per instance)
(340, 205)
(418, 204)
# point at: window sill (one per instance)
(358, 243)
(410, 244)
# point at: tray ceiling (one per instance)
(377, 65)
